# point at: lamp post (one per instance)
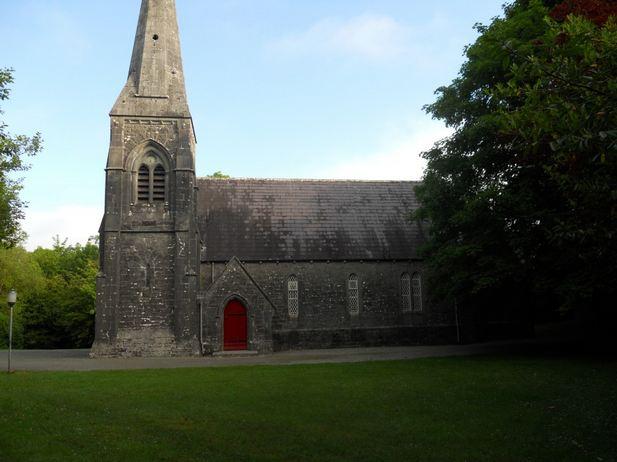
(11, 299)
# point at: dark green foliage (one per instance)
(522, 198)
(61, 313)
(18, 331)
(566, 126)
(13, 149)
(456, 409)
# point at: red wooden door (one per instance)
(235, 327)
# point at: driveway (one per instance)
(78, 360)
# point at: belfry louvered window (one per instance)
(353, 295)
(416, 290)
(158, 184)
(143, 184)
(406, 292)
(151, 182)
(292, 297)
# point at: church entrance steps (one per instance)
(234, 354)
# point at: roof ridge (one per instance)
(301, 180)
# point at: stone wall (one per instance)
(146, 295)
(234, 283)
(324, 319)
(140, 308)
(147, 281)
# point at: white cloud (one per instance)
(397, 159)
(73, 222)
(375, 37)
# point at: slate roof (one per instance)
(301, 220)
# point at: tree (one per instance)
(565, 123)
(219, 175)
(18, 271)
(61, 313)
(13, 149)
(522, 198)
(597, 11)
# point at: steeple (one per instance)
(155, 85)
(150, 243)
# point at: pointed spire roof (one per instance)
(155, 85)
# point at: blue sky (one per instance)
(277, 88)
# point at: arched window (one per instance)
(143, 184)
(158, 184)
(292, 297)
(151, 180)
(353, 295)
(406, 292)
(416, 290)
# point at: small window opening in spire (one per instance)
(155, 37)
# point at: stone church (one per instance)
(194, 266)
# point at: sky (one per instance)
(277, 89)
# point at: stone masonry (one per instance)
(149, 239)
(311, 263)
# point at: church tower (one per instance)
(149, 241)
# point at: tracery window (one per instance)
(151, 180)
(292, 297)
(406, 292)
(416, 290)
(353, 295)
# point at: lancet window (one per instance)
(353, 295)
(416, 290)
(292, 297)
(151, 180)
(406, 292)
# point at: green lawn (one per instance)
(454, 409)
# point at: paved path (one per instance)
(78, 360)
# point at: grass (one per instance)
(452, 409)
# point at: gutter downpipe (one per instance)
(201, 327)
(458, 326)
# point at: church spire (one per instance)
(155, 85)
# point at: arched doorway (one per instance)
(235, 327)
